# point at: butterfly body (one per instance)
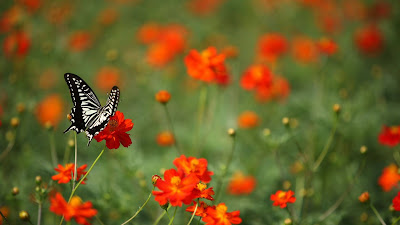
(87, 114)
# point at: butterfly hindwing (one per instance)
(88, 115)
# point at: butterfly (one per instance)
(88, 115)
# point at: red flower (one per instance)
(281, 198)
(389, 136)
(163, 96)
(11, 17)
(201, 191)
(201, 209)
(81, 212)
(219, 216)
(396, 202)
(327, 46)
(175, 188)
(16, 44)
(241, 185)
(65, 174)
(207, 66)
(165, 138)
(271, 46)
(195, 166)
(389, 178)
(304, 50)
(280, 90)
(80, 41)
(248, 119)
(369, 40)
(256, 76)
(115, 132)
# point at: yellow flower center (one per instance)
(193, 164)
(394, 130)
(282, 194)
(257, 73)
(201, 186)
(113, 124)
(75, 201)
(175, 180)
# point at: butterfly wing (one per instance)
(100, 121)
(86, 103)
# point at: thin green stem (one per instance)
(299, 149)
(194, 213)
(140, 209)
(225, 169)
(53, 149)
(327, 145)
(9, 146)
(39, 213)
(201, 110)
(161, 216)
(173, 217)
(376, 213)
(98, 220)
(75, 165)
(198, 221)
(396, 220)
(171, 127)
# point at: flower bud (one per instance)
(38, 180)
(336, 108)
(163, 97)
(363, 149)
(287, 221)
(48, 126)
(24, 215)
(21, 107)
(285, 121)
(71, 143)
(364, 217)
(154, 179)
(266, 132)
(165, 206)
(14, 122)
(364, 197)
(15, 191)
(231, 132)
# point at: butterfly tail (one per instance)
(90, 137)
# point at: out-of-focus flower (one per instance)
(165, 138)
(389, 136)
(256, 76)
(80, 41)
(115, 132)
(163, 96)
(47, 79)
(10, 18)
(65, 174)
(281, 198)
(364, 197)
(175, 188)
(220, 216)
(107, 77)
(280, 90)
(16, 44)
(327, 46)
(149, 33)
(396, 202)
(389, 178)
(271, 46)
(50, 110)
(204, 7)
(5, 210)
(248, 119)
(207, 66)
(192, 165)
(108, 16)
(81, 212)
(59, 12)
(354, 9)
(31, 5)
(369, 39)
(379, 10)
(241, 185)
(201, 209)
(304, 50)
(329, 23)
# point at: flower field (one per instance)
(212, 112)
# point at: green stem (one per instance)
(327, 145)
(173, 217)
(225, 169)
(291, 214)
(98, 220)
(396, 220)
(140, 209)
(377, 213)
(171, 127)
(9, 146)
(39, 213)
(75, 165)
(194, 212)
(161, 216)
(53, 149)
(201, 110)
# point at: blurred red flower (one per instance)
(280, 90)
(149, 33)
(203, 7)
(10, 18)
(165, 138)
(201, 191)
(59, 12)
(396, 202)
(65, 174)
(354, 9)
(281, 198)
(16, 44)
(327, 46)
(76, 209)
(50, 110)
(80, 41)
(304, 50)
(192, 165)
(115, 132)
(31, 5)
(207, 66)
(369, 39)
(389, 136)
(201, 209)
(5, 211)
(389, 178)
(364, 197)
(175, 188)
(256, 76)
(107, 77)
(241, 185)
(163, 96)
(248, 119)
(220, 216)
(379, 10)
(271, 46)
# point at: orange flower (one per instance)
(364, 197)
(107, 77)
(16, 44)
(81, 212)
(149, 33)
(201, 209)
(207, 66)
(248, 119)
(195, 166)
(280, 90)
(10, 18)
(256, 76)
(80, 41)
(281, 198)
(165, 138)
(175, 188)
(389, 178)
(271, 46)
(201, 191)
(5, 211)
(369, 39)
(163, 96)
(304, 50)
(327, 46)
(220, 216)
(50, 109)
(65, 174)
(396, 202)
(115, 132)
(108, 16)
(203, 7)
(389, 136)
(241, 185)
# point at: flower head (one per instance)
(241, 185)
(163, 96)
(220, 216)
(49, 110)
(248, 119)
(271, 46)
(255, 77)
(201, 209)
(369, 39)
(195, 166)
(364, 197)
(201, 191)
(389, 136)
(5, 210)
(16, 44)
(80, 41)
(304, 50)
(107, 77)
(115, 132)
(65, 174)
(281, 198)
(396, 202)
(165, 138)
(327, 46)
(76, 209)
(389, 178)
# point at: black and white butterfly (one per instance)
(88, 115)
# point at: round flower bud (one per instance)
(154, 179)
(287, 221)
(14, 122)
(266, 132)
(165, 206)
(38, 180)
(48, 126)
(336, 108)
(364, 197)
(71, 143)
(285, 121)
(21, 107)
(364, 217)
(163, 97)
(363, 149)
(24, 215)
(231, 132)
(15, 191)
